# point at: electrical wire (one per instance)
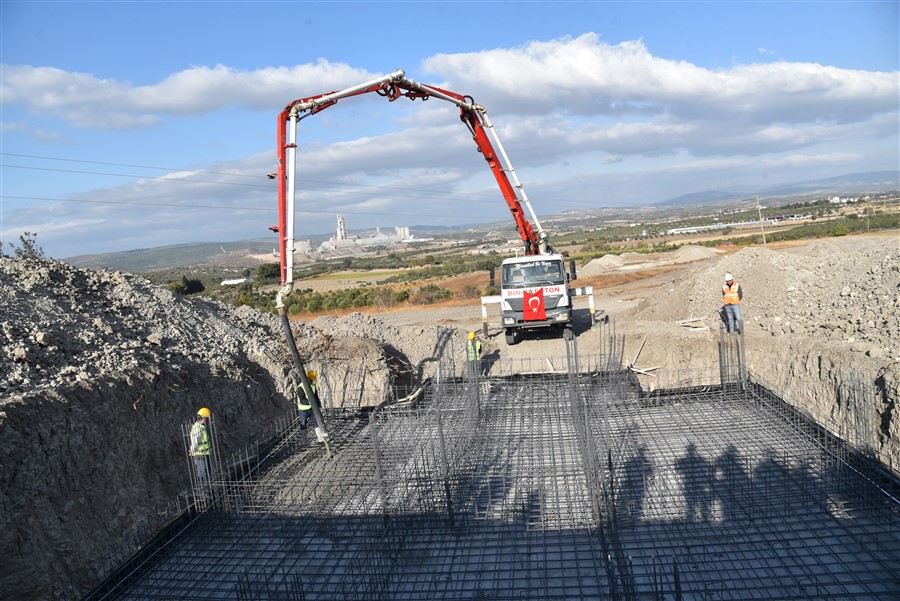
(231, 208)
(423, 194)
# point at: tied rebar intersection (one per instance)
(563, 480)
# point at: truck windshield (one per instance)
(532, 273)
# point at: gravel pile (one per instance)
(689, 253)
(610, 263)
(602, 265)
(61, 326)
(841, 293)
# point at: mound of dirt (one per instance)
(601, 265)
(849, 296)
(687, 254)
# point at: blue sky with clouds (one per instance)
(138, 124)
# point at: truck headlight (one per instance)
(509, 321)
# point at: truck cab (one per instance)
(534, 293)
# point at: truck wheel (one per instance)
(568, 334)
(510, 337)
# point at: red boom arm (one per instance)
(393, 87)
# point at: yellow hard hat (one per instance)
(471, 335)
(204, 412)
(311, 374)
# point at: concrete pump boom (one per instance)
(392, 87)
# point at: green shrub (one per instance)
(430, 294)
(186, 286)
(268, 271)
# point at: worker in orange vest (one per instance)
(731, 299)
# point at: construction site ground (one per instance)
(102, 371)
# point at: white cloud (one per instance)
(586, 76)
(9, 127)
(87, 101)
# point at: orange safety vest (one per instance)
(731, 294)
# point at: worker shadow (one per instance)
(696, 477)
(488, 361)
(736, 488)
(731, 485)
(582, 321)
(631, 485)
(413, 377)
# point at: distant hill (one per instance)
(703, 197)
(165, 257)
(873, 181)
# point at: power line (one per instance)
(372, 189)
(231, 208)
(33, 156)
(160, 177)
(369, 189)
(375, 188)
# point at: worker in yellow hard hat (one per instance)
(473, 355)
(199, 446)
(304, 404)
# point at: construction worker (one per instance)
(731, 299)
(304, 405)
(473, 355)
(200, 445)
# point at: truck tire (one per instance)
(568, 334)
(510, 337)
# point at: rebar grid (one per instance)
(754, 500)
(548, 486)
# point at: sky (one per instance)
(128, 125)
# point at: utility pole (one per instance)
(762, 229)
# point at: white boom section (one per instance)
(290, 201)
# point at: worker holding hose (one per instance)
(473, 356)
(304, 404)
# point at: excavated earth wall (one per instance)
(99, 370)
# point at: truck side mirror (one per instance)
(574, 276)
(493, 273)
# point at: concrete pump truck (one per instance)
(535, 286)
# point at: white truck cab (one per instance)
(534, 293)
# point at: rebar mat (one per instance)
(547, 487)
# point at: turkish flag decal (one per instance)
(533, 306)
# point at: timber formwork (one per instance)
(552, 484)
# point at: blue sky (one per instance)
(138, 124)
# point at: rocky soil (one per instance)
(99, 370)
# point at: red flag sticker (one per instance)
(533, 306)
